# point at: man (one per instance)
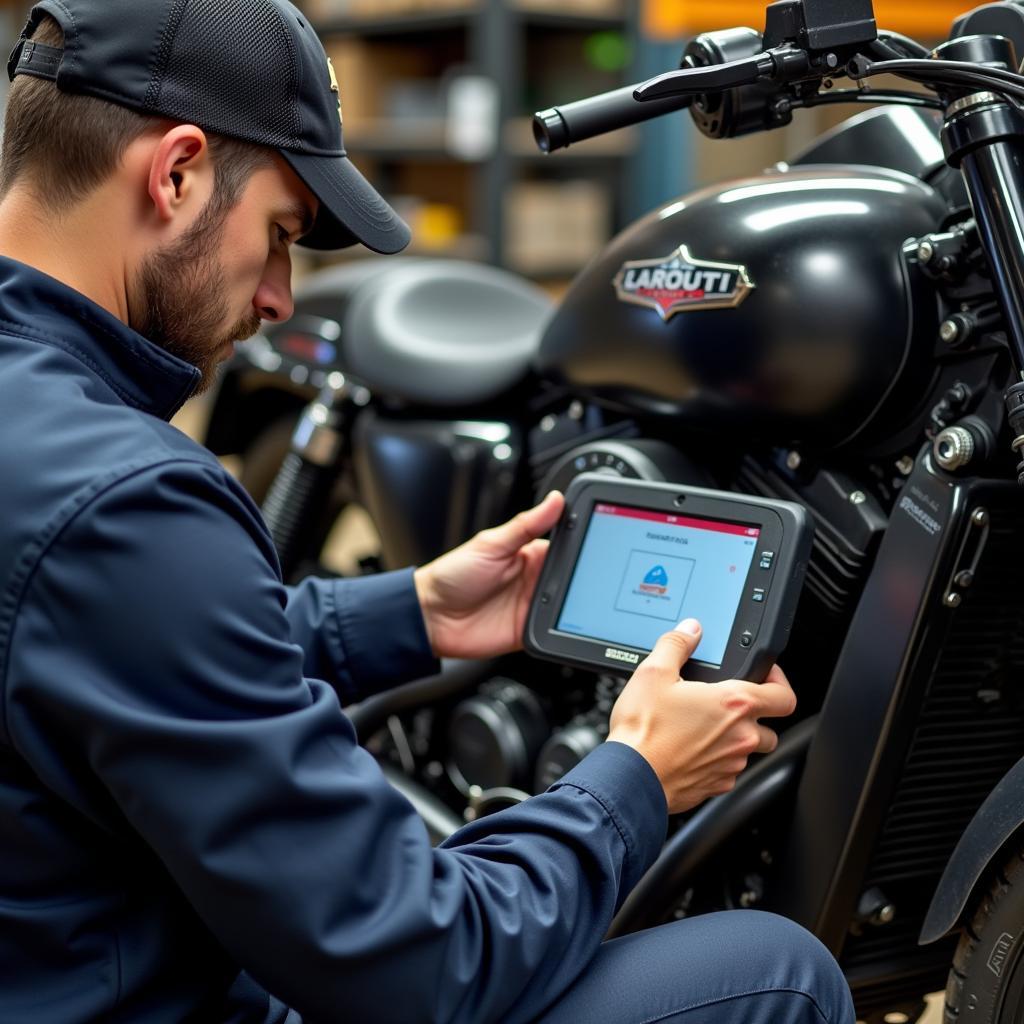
(190, 831)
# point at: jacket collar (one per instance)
(140, 372)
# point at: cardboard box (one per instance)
(555, 227)
(593, 8)
(366, 71)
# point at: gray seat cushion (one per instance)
(443, 332)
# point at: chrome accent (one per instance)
(976, 99)
(953, 448)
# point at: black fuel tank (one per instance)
(830, 338)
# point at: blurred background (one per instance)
(437, 98)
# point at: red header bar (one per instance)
(666, 519)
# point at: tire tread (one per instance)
(1006, 880)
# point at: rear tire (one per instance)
(986, 983)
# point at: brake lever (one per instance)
(783, 64)
(715, 78)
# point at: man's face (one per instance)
(228, 272)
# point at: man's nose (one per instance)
(273, 301)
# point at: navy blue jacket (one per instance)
(182, 798)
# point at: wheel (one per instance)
(986, 983)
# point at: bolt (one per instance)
(793, 460)
(925, 252)
(885, 914)
(949, 332)
(748, 899)
(858, 498)
(952, 600)
(906, 465)
(548, 423)
(576, 411)
(953, 448)
(980, 517)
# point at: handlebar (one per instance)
(740, 81)
(559, 127)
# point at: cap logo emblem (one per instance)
(679, 283)
(335, 88)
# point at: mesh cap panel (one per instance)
(257, 87)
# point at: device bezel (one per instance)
(785, 531)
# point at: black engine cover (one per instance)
(832, 340)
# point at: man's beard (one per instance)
(176, 298)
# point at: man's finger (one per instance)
(774, 698)
(674, 648)
(529, 525)
(768, 739)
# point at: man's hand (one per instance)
(696, 736)
(475, 598)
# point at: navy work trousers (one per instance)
(741, 967)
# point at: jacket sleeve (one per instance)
(154, 666)
(365, 635)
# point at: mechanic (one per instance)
(190, 830)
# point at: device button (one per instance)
(746, 638)
(767, 557)
(570, 523)
(758, 594)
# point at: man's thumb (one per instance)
(531, 524)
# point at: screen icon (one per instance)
(655, 582)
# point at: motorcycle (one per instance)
(846, 332)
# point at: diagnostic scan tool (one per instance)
(629, 560)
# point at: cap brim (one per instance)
(351, 210)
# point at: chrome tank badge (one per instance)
(678, 283)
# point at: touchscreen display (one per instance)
(640, 572)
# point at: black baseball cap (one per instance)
(250, 69)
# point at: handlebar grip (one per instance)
(558, 127)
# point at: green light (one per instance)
(607, 51)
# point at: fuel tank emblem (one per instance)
(678, 283)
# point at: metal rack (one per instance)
(496, 44)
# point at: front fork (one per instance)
(983, 136)
(296, 503)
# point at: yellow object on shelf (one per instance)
(436, 226)
(673, 20)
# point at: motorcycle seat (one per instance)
(443, 332)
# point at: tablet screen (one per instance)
(641, 572)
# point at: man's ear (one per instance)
(180, 172)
